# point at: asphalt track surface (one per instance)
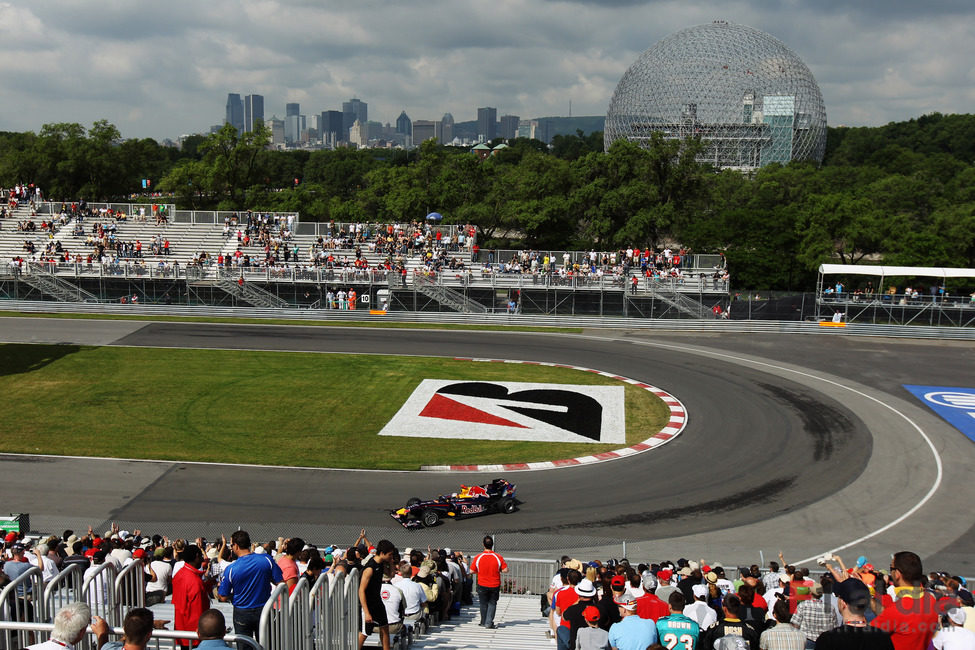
(796, 443)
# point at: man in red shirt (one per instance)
(911, 617)
(488, 567)
(190, 597)
(648, 606)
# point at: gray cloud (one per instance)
(160, 69)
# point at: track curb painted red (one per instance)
(676, 424)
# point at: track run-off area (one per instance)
(803, 444)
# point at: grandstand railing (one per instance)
(160, 638)
(98, 590)
(25, 608)
(527, 577)
(64, 588)
(323, 615)
(557, 258)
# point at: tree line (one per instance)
(903, 193)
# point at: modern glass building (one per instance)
(744, 93)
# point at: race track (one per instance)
(799, 443)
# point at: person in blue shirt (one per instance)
(247, 584)
(678, 632)
(632, 632)
(211, 628)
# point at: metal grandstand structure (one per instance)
(743, 92)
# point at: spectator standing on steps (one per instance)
(247, 584)
(488, 567)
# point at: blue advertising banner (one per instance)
(955, 405)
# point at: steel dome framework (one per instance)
(743, 92)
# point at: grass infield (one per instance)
(271, 408)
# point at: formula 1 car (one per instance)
(471, 501)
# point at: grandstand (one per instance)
(196, 257)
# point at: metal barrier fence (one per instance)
(160, 640)
(323, 616)
(19, 603)
(527, 577)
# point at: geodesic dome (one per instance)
(743, 92)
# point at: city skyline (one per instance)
(162, 70)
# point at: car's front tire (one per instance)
(431, 518)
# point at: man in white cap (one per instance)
(699, 610)
(572, 618)
(953, 634)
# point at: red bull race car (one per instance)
(471, 501)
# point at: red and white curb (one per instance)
(678, 420)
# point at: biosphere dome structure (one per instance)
(743, 92)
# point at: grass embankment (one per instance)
(274, 408)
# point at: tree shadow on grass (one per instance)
(16, 359)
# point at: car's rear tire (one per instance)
(413, 501)
(431, 518)
(507, 506)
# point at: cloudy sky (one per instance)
(159, 68)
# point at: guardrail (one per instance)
(156, 641)
(323, 615)
(527, 577)
(688, 325)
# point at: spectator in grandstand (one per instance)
(190, 592)
(71, 626)
(676, 628)
(247, 583)
(592, 637)
(413, 595)
(911, 616)
(572, 618)
(370, 593)
(664, 585)
(815, 615)
(137, 627)
(632, 632)
(699, 610)
(288, 551)
(782, 636)
(853, 599)
(731, 632)
(649, 606)
(564, 597)
(211, 629)
(953, 635)
(488, 567)
(160, 572)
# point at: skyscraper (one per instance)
(253, 111)
(352, 110)
(487, 124)
(509, 126)
(235, 111)
(330, 126)
(292, 123)
(403, 124)
(423, 130)
(446, 128)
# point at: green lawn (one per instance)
(275, 408)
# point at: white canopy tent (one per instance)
(895, 271)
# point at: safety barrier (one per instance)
(99, 592)
(527, 577)
(19, 603)
(64, 588)
(160, 638)
(130, 586)
(323, 616)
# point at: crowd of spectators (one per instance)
(695, 606)
(416, 587)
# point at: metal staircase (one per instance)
(680, 301)
(251, 294)
(46, 282)
(447, 296)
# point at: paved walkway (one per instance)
(519, 625)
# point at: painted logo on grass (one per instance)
(505, 410)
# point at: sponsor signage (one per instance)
(955, 405)
(504, 410)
